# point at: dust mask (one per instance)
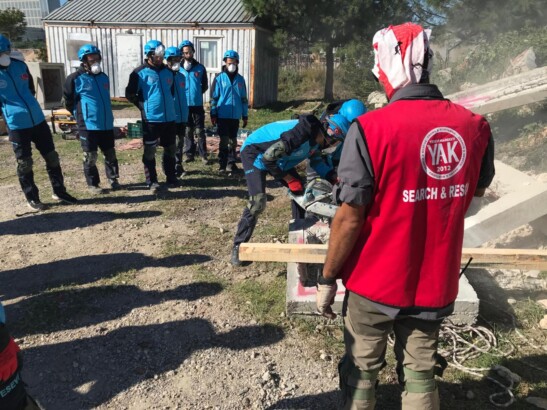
(5, 60)
(232, 68)
(175, 66)
(187, 65)
(96, 68)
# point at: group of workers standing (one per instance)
(168, 90)
(403, 175)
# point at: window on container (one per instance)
(208, 53)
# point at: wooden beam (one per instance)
(524, 259)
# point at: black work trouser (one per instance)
(195, 127)
(164, 134)
(227, 131)
(21, 141)
(91, 141)
(256, 184)
(180, 128)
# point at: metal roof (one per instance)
(152, 11)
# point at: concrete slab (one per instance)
(509, 92)
(522, 201)
(301, 300)
(301, 291)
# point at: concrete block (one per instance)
(301, 300)
(301, 292)
(522, 200)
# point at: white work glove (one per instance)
(325, 299)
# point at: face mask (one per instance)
(175, 66)
(187, 65)
(232, 68)
(5, 60)
(96, 68)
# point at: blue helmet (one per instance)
(352, 109)
(172, 52)
(87, 49)
(152, 45)
(186, 43)
(339, 126)
(230, 54)
(5, 45)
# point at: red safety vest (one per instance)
(426, 157)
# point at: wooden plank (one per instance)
(524, 259)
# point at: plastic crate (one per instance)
(134, 130)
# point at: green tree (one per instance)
(328, 23)
(12, 23)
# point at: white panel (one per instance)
(128, 57)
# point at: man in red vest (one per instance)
(407, 175)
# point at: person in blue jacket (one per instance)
(13, 395)
(173, 56)
(339, 115)
(276, 149)
(151, 89)
(196, 85)
(229, 104)
(87, 95)
(26, 123)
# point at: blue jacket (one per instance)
(299, 148)
(87, 96)
(152, 90)
(229, 96)
(196, 83)
(19, 107)
(181, 105)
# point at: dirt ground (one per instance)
(119, 302)
(128, 301)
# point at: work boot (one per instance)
(189, 159)
(175, 183)
(36, 205)
(95, 190)
(235, 257)
(65, 197)
(232, 169)
(114, 184)
(221, 171)
(154, 187)
(179, 170)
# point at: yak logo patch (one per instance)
(24, 77)
(106, 86)
(197, 74)
(443, 153)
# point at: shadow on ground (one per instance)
(63, 221)
(83, 269)
(86, 373)
(178, 193)
(64, 309)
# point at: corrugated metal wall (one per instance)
(240, 39)
(266, 69)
